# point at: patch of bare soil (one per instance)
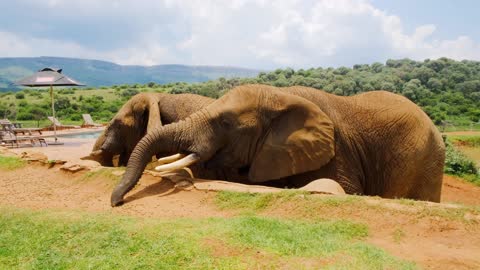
(458, 191)
(462, 133)
(37, 187)
(431, 241)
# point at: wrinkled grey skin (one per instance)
(142, 113)
(375, 143)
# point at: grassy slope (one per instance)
(11, 163)
(301, 236)
(64, 240)
(303, 239)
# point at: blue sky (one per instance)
(248, 33)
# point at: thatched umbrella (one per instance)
(49, 77)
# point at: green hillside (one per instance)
(447, 90)
(97, 73)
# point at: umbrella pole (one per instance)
(53, 114)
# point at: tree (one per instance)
(62, 103)
(415, 91)
(151, 84)
(38, 114)
(377, 67)
(435, 85)
(423, 74)
(388, 86)
(128, 93)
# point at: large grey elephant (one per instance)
(375, 143)
(142, 113)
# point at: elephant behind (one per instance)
(142, 113)
(375, 143)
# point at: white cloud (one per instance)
(14, 46)
(142, 53)
(251, 33)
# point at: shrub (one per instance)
(19, 95)
(457, 163)
(35, 94)
(128, 93)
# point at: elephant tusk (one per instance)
(179, 164)
(96, 153)
(170, 159)
(92, 155)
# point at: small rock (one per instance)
(184, 184)
(34, 156)
(72, 167)
(470, 217)
(118, 173)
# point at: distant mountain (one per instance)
(95, 73)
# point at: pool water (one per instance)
(86, 135)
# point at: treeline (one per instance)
(446, 89)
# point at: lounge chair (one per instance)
(9, 138)
(88, 121)
(17, 128)
(59, 125)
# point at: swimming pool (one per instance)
(83, 135)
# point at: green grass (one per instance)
(398, 235)
(297, 238)
(253, 201)
(11, 163)
(466, 140)
(104, 173)
(71, 240)
(262, 201)
(311, 207)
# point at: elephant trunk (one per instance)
(167, 139)
(98, 154)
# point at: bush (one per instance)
(457, 163)
(35, 94)
(19, 95)
(128, 93)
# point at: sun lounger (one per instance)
(9, 138)
(88, 121)
(59, 125)
(17, 128)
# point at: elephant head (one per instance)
(264, 132)
(136, 117)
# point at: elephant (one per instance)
(139, 115)
(375, 143)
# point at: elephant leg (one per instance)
(427, 185)
(123, 159)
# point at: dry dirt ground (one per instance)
(462, 133)
(433, 242)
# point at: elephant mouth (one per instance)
(244, 170)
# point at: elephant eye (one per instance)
(226, 124)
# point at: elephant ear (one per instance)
(301, 139)
(154, 119)
(147, 113)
